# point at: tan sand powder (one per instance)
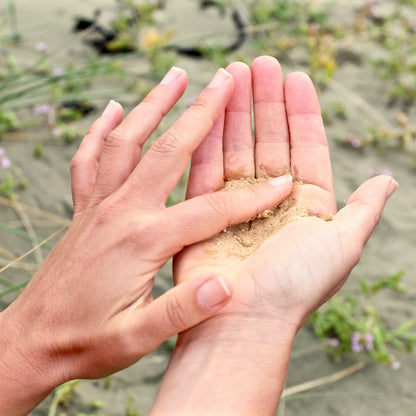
(243, 239)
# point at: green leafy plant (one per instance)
(8, 122)
(7, 186)
(352, 324)
(302, 27)
(62, 395)
(131, 409)
(37, 151)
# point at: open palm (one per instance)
(306, 261)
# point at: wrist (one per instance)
(226, 366)
(27, 372)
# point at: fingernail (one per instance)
(219, 78)
(393, 186)
(110, 107)
(281, 180)
(172, 74)
(212, 293)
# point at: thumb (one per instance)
(181, 308)
(358, 219)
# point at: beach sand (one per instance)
(375, 390)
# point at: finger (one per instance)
(84, 164)
(238, 138)
(164, 163)
(204, 216)
(179, 309)
(207, 172)
(122, 150)
(310, 162)
(272, 157)
(358, 219)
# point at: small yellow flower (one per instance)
(151, 38)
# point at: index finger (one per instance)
(163, 165)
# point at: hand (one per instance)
(240, 355)
(89, 311)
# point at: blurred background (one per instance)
(60, 63)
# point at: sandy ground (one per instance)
(375, 390)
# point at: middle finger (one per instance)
(238, 138)
(271, 130)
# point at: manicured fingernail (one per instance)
(393, 186)
(172, 74)
(212, 293)
(281, 180)
(219, 78)
(111, 106)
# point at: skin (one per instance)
(235, 362)
(89, 312)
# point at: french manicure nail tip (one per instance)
(281, 180)
(219, 78)
(392, 188)
(110, 107)
(213, 293)
(171, 76)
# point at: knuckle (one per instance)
(256, 200)
(356, 253)
(201, 108)
(117, 138)
(141, 232)
(373, 215)
(103, 214)
(169, 142)
(111, 209)
(218, 203)
(253, 192)
(175, 313)
(144, 227)
(77, 163)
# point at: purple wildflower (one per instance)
(411, 23)
(379, 171)
(332, 342)
(369, 5)
(56, 132)
(396, 365)
(109, 17)
(355, 342)
(353, 141)
(41, 109)
(58, 71)
(4, 160)
(42, 47)
(190, 100)
(369, 341)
